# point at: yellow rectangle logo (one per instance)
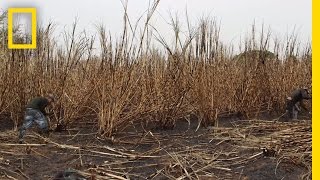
(33, 12)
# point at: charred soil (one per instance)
(243, 149)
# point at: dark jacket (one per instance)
(39, 103)
(298, 95)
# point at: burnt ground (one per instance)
(235, 149)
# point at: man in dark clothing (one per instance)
(35, 112)
(296, 100)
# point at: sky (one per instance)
(236, 16)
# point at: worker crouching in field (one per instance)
(295, 101)
(35, 112)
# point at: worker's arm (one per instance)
(303, 106)
(308, 97)
(48, 113)
(44, 112)
(305, 94)
(297, 107)
(46, 109)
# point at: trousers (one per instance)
(33, 116)
(292, 110)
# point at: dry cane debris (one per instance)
(222, 153)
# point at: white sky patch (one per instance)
(236, 16)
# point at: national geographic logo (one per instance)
(33, 12)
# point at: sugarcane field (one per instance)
(155, 89)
